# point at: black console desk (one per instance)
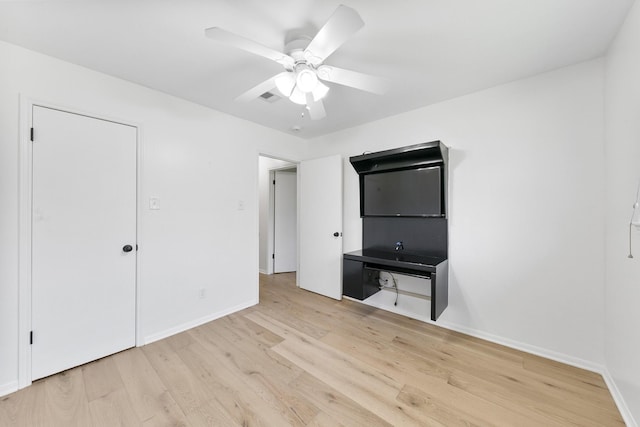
(361, 272)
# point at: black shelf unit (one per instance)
(424, 237)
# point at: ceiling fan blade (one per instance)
(316, 108)
(353, 79)
(261, 88)
(344, 23)
(224, 36)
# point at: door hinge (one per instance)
(31, 337)
(274, 181)
(273, 256)
(136, 246)
(31, 135)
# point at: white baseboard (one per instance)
(8, 388)
(627, 416)
(262, 271)
(527, 348)
(197, 322)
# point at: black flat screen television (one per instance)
(410, 192)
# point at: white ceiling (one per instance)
(432, 50)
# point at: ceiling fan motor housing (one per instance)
(295, 47)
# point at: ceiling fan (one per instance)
(303, 61)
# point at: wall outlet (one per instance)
(154, 203)
(202, 293)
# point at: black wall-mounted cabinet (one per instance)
(409, 157)
(403, 198)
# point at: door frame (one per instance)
(25, 193)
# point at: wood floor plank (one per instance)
(241, 402)
(266, 380)
(190, 391)
(577, 382)
(582, 378)
(413, 328)
(148, 395)
(113, 409)
(455, 406)
(325, 420)
(295, 318)
(365, 388)
(483, 347)
(262, 358)
(181, 340)
(336, 404)
(398, 322)
(415, 374)
(25, 408)
(404, 366)
(237, 323)
(312, 304)
(101, 378)
(209, 414)
(516, 379)
(418, 400)
(525, 402)
(369, 387)
(66, 399)
(170, 416)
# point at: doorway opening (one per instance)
(278, 217)
(318, 223)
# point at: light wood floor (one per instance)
(301, 359)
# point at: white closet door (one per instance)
(285, 222)
(84, 216)
(321, 226)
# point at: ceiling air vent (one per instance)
(270, 97)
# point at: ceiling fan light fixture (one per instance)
(298, 97)
(306, 80)
(285, 83)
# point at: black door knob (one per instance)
(127, 248)
(336, 234)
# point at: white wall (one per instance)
(622, 336)
(526, 212)
(266, 241)
(199, 162)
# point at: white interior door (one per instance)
(84, 213)
(321, 226)
(285, 222)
